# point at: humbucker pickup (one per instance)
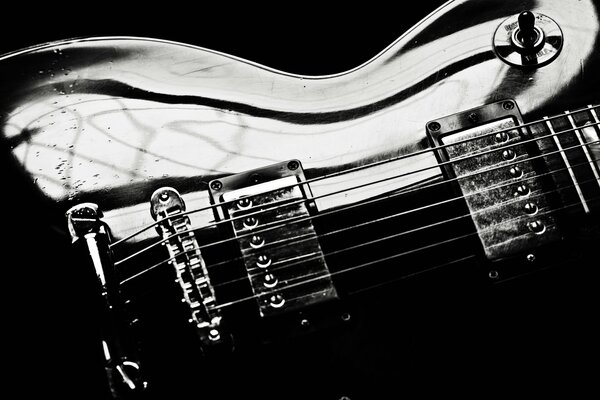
(498, 176)
(270, 214)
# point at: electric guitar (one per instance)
(232, 228)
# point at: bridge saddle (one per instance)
(168, 209)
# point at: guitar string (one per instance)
(369, 263)
(302, 238)
(412, 274)
(411, 231)
(210, 225)
(388, 160)
(279, 224)
(301, 219)
(396, 235)
(504, 280)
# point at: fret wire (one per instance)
(577, 133)
(595, 130)
(566, 161)
(374, 164)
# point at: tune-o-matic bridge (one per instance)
(498, 176)
(167, 208)
(269, 213)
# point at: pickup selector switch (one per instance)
(528, 39)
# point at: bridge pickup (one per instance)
(173, 226)
(500, 179)
(270, 214)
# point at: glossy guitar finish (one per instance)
(110, 120)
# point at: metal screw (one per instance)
(536, 227)
(244, 203)
(516, 171)
(250, 222)
(256, 241)
(530, 208)
(530, 257)
(346, 317)
(164, 196)
(509, 154)
(304, 323)
(263, 261)
(434, 126)
(493, 274)
(293, 165)
(522, 190)
(254, 179)
(216, 185)
(214, 335)
(473, 117)
(508, 105)
(270, 281)
(501, 137)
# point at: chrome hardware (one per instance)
(263, 261)
(276, 301)
(501, 137)
(509, 154)
(244, 203)
(496, 199)
(250, 222)
(515, 172)
(530, 208)
(522, 190)
(270, 281)
(277, 215)
(528, 40)
(257, 241)
(536, 226)
(167, 207)
(123, 373)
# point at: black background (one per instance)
(544, 339)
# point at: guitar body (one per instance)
(111, 120)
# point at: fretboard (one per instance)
(570, 145)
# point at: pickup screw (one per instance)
(536, 227)
(263, 261)
(493, 274)
(530, 208)
(214, 335)
(304, 323)
(509, 154)
(473, 117)
(293, 165)
(250, 222)
(522, 190)
(516, 171)
(434, 126)
(256, 241)
(254, 179)
(501, 137)
(530, 257)
(216, 185)
(346, 317)
(164, 196)
(508, 105)
(244, 203)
